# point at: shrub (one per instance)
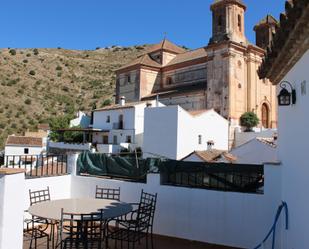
(35, 51)
(12, 51)
(249, 120)
(32, 72)
(58, 68)
(25, 61)
(106, 102)
(28, 55)
(28, 101)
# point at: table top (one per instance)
(52, 209)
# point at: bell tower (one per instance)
(228, 21)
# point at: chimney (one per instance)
(122, 100)
(210, 144)
(157, 100)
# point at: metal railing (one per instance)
(38, 165)
(216, 176)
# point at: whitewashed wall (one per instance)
(293, 152)
(254, 152)
(172, 132)
(59, 186)
(11, 211)
(233, 219)
(243, 137)
(19, 151)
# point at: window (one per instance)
(199, 139)
(239, 22)
(129, 78)
(26, 151)
(108, 119)
(129, 139)
(169, 80)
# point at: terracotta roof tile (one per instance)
(44, 127)
(143, 60)
(188, 56)
(207, 155)
(22, 140)
(166, 45)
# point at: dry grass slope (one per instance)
(39, 83)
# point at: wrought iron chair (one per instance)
(36, 227)
(107, 193)
(132, 232)
(81, 231)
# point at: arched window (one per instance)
(239, 22)
(265, 116)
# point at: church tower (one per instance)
(228, 22)
(265, 31)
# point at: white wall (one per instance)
(172, 132)
(70, 146)
(19, 151)
(233, 219)
(82, 120)
(293, 152)
(254, 152)
(160, 134)
(242, 137)
(11, 211)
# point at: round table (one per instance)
(52, 209)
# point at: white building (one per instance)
(255, 151)
(288, 67)
(121, 125)
(21, 148)
(174, 133)
(82, 120)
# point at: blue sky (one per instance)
(87, 24)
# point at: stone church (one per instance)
(222, 75)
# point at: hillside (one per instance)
(37, 84)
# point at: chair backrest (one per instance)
(144, 217)
(39, 196)
(81, 230)
(107, 193)
(149, 199)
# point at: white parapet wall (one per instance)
(11, 210)
(233, 219)
(70, 146)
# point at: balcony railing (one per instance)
(220, 177)
(38, 165)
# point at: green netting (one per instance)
(115, 166)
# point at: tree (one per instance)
(249, 120)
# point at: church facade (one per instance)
(220, 76)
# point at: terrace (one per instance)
(193, 209)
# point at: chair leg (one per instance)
(151, 238)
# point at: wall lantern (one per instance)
(285, 97)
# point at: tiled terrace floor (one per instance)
(161, 243)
